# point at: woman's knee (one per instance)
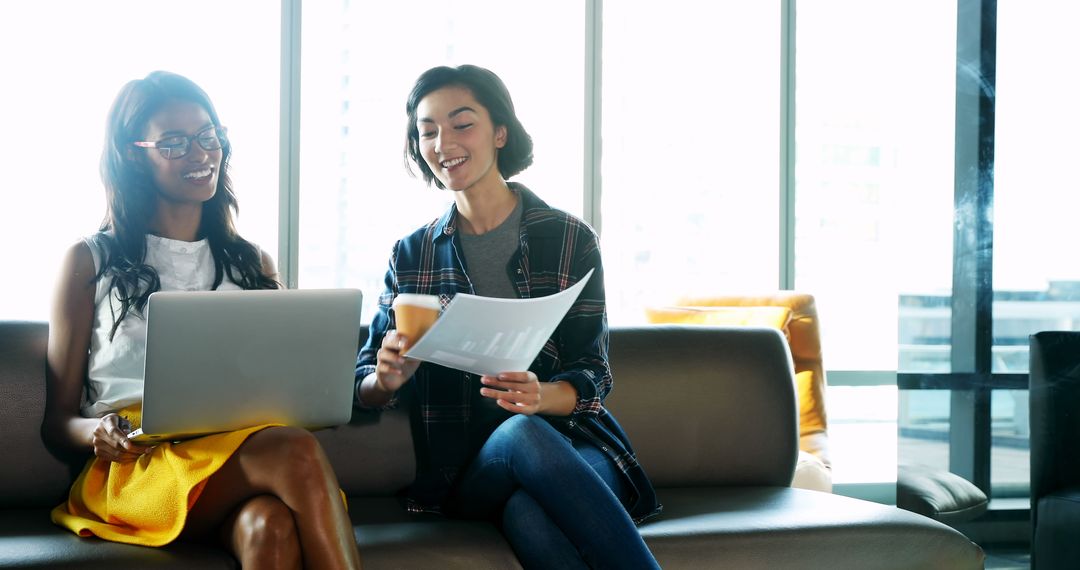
(531, 431)
(531, 444)
(297, 443)
(521, 510)
(291, 454)
(265, 528)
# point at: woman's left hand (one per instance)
(517, 392)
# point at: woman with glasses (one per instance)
(534, 451)
(267, 492)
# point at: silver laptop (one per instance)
(225, 360)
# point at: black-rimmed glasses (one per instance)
(176, 146)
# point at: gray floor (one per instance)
(1007, 558)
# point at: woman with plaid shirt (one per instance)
(535, 451)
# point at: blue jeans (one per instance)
(559, 500)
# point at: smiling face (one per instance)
(458, 140)
(193, 177)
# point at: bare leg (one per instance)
(262, 534)
(288, 464)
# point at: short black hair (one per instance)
(516, 155)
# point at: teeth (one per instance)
(452, 162)
(198, 173)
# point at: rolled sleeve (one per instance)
(583, 336)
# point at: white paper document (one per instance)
(485, 335)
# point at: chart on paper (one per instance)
(485, 335)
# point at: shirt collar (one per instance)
(446, 225)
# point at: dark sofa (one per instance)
(711, 412)
(1055, 450)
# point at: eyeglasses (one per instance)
(177, 146)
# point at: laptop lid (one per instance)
(225, 360)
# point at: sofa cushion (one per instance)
(391, 537)
(372, 454)
(938, 494)
(28, 539)
(388, 537)
(779, 528)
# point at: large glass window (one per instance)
(690, 162)
(1010, 444)
(923, 427)
(873, 215)
(1036, 272)
(862, 434)
(1036, 195)
(65, 62)
(874, 176)
(359, 61)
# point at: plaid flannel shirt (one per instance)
(450, 420)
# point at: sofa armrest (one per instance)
(31, 476)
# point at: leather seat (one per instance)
(1055, 449)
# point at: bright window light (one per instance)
(66, 61)
(359, 62)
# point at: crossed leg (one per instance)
(278, 471)
(262, 533)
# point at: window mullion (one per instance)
(593, 105)
(972, 295)
(289, 136)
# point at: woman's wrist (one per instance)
(378, 385)
(372, 393)
(557, 398)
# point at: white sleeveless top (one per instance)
(115, 368)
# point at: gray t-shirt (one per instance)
(487, 255)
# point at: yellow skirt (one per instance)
(146, 502)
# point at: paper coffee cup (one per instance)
(415, 314)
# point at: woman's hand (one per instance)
(524, 393)
(111, 441)
(517, 392)
(393, 370)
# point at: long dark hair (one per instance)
(132, 199)
(489, 91)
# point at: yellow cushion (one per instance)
(772, 317)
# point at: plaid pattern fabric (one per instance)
(450, 420)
